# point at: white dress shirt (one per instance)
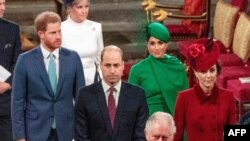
(116, 93)
(46, 53)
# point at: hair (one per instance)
(44, 18)
(218, 66)
(161, 118)
(74, 2)
(192, 77)
(109, 48)
(71, 4)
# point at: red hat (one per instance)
(203, 54)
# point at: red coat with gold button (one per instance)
(203, 117)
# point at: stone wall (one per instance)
(122, 20)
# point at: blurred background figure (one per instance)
(59, 7)
(160, 126)
(10, 48)
(245, 119)
(202, 111)
(161, 75)
(83, 36)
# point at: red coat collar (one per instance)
(202, 96)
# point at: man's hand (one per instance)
(22, 139)
(4, 87)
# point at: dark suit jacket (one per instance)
(245, 119)
(10, 48)
(92, 118)
(34, 105)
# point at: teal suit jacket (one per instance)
(34, 106)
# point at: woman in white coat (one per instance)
(83, 36)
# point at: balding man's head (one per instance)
(111, 48)
(112, 64)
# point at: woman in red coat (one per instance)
(202, 111)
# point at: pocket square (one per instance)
(8, 45)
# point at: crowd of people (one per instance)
(70, 86)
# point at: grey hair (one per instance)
(161, 118)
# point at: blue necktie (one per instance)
(52, 78)
(52, 72)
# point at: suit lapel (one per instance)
(121, 103)
(42, 69)
(3, 37)
(62, 69)
(104, 109)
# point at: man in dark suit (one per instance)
(10, 48)
(46, 80)
(111, 110)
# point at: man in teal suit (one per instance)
(42, 110)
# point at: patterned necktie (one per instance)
(111, 106)
(52, 72)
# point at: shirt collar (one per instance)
(106, 86)
(76, 23)
(46, 53)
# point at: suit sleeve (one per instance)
(81, 121)
(18, 99)
(79, 75)
(179, 117)
(141, 119)
(17, 51)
